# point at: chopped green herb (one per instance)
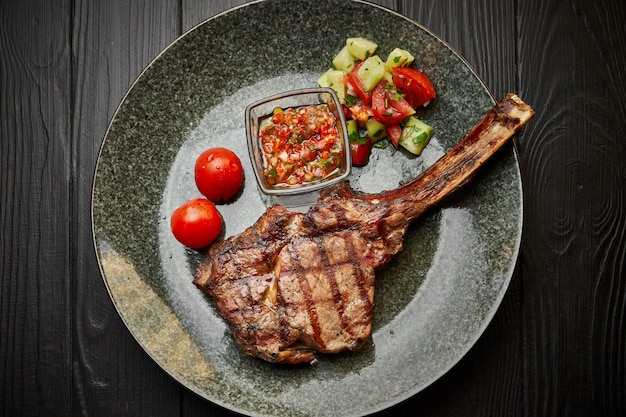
(420, 138)
(358, 139)
(351, 100)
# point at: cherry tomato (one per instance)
(196, 223)
(360, 151)
(357, 84)
(388, 106)
(218, 174)
(414, 84)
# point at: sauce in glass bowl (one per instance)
(300, 145)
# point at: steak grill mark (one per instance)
(331, 270)
(299, 271)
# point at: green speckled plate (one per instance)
(432, 302)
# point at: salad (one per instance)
(379, 97)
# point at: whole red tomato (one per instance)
(219, 174)
(196, 223)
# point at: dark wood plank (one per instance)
(113, 42)
(483, 32)
(572, 68)
(488, 380)
(35, 269)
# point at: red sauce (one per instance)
(300, 145)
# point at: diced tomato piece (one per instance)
(414, 84)
(360, 151)
(388, 106)
(346, 111)
(357, 84)
(394, 132)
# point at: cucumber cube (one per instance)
(361, 47)
(337, 81)
(375, 130)
(344, 60)
(322, 81)
(371, 72)
(353, 130)
(399, 58)
(415, 135)
(388, 75)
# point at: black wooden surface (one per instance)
(556, 347)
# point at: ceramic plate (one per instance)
(432, 302)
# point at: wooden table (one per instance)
(556, 347)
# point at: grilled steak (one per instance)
(296, 283)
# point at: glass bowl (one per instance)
(305, 192)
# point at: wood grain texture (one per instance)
(574, 186)
(484, 33)
(113, 42)
(34, 209)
